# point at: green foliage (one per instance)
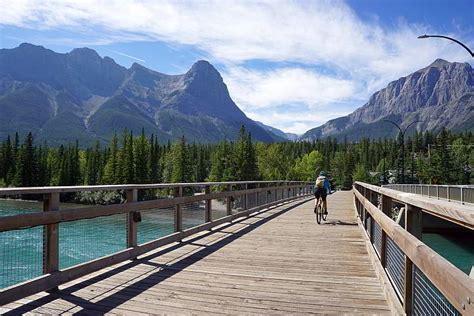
(308, 167)
(444, 158)
(361, 174)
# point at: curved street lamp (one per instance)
(451, 39)
(402, 133)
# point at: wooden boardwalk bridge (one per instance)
(268, 257)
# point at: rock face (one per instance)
(440, 95)
(79, 95)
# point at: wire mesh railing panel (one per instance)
(427, 299)
(238, 204)
(18, 207)
(377, 237)
(252, 200)
(433, 192)
(88, 239)
(193, 214)
(270, 196)
(454, 193)
(395, 265)
(218, 208)
(468, 195)
(21, 255)
(443, 192)
(155, 223)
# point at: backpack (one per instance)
(320, 182)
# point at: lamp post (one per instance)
(402, 135)
(451, 39)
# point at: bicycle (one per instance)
(320, 211)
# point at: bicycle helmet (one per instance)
(322, 174)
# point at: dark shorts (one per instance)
(320, 193)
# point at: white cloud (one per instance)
(253, 89)
(324, 33)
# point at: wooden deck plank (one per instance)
(277, 262)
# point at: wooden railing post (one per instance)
(51, 236)
(414, 225)
(364, 211)
(132, 219)
(229, 201)
(413, 220)
(208, 216)
(387, 210)
(178, 220)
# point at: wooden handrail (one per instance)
(53, 277)
(456, 213)
(455, 285)
(116, 187)
(43, 218)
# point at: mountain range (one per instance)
(437, 96)
(80, 95)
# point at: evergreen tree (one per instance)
(140, 156)
(181, 170)
(111, 170)
(27, 166)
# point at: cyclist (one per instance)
(322, 189)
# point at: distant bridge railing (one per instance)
(458, 193)
(426, 283)
(43, 249)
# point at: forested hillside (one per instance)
(443, 158)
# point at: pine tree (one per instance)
(154, 160)
(141, 155)
(180, 162)
(27, 164)
(111, 169)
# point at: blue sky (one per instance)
(290, 64)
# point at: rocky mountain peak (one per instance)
(439, 95)
(85, 52)
(440, 63)
(203, 70)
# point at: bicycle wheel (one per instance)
(319, 213)
(325, 215)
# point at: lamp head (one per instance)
(423, 36)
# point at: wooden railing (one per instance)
(423, 279)
(252, 196)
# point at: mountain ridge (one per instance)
(439, 95)
(83, 95)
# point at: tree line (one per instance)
(442, 158)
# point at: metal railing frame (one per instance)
(420, 189)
